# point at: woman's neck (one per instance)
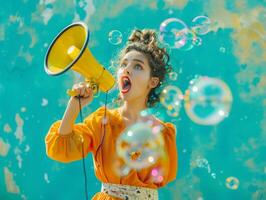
(131, 110)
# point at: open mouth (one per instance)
(126, 84)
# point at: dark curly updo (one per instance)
(145, 41)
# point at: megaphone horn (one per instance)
(69, 51)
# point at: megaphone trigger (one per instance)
(72, 93)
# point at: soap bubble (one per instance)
(173, 32)
(188, 41)
(207, 101)
(222, 49)
(173, 76)
(232, 183)
(203, 163)
(197, 41)
(171, 98)
(115, 37)
(213, 175)
(140, 145)
(201, 25)
(44, 102)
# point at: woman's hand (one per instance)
(84, 92)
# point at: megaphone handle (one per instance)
(92, 85)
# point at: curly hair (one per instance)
(145, 41)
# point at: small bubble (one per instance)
(23, 109)
(46, 178)
(173, 76)
(170, 12)
(44, 102)
(197, 41)
(222, 49)
(27, 148)
(115, 37)
(232, 183)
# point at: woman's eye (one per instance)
(123, 65)
(139, 67)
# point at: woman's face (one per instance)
(134, 79)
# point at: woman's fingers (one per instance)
(83, 89)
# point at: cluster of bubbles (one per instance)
(115, 37)
(177, 35)
(171, 98)
(204, 163)
(207, 100)
(140, 145)
(232, 183)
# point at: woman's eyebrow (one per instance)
(134, 60)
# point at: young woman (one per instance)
(143, 66)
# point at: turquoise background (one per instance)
(234, 51)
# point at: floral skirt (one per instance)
(129, 192)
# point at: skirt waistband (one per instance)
(129, 192)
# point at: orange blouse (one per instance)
(68, 148)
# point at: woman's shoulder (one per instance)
(167, 126)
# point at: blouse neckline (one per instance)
(119, 118)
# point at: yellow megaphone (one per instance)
(69, 50)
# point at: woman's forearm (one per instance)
(69, 118)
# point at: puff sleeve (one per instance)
(170, 143)
(84, 138)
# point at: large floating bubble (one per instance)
(171, 98)
(201, 25)
(208, 100)
(140, 145)
(115, 37)
(173, 32)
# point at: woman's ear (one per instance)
(154, 82)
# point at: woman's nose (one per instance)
(127, 71)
